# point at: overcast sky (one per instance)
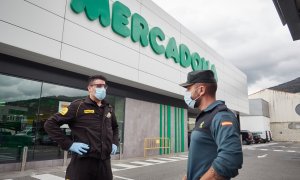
(248, 33)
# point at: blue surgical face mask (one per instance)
(188, 99)
(100, 93)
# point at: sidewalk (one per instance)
(49, 170)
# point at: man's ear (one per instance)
(202, 90)
(89, 88)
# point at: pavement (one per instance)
(269, 161)
(58, 173)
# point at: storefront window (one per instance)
(53, 98)
(19, 99)
(25, 105)
(119, 106)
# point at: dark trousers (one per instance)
(87, 168)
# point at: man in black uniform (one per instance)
(95, 133)
(215, 151)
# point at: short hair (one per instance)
(211, 88)
(93, 78)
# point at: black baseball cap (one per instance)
(199, 76)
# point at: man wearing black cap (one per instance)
(215, 151)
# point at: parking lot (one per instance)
(274, 160)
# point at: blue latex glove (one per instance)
(79, 148)
(114, 149)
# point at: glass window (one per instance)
(19, 99)
(119, 106)
(53, 97)
(25, 105)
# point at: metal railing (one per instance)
(157, 143)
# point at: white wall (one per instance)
(255, 123)
(281, 105)
(49, 32)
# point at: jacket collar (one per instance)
(88, 100)
(210, 107)
(213, 105)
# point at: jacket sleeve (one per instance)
(52, 125)
(115, 128)
(225, 131)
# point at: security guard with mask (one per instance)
(95, 133)
(215, 151)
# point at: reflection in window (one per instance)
(25, 105)
(119, 106)
(19, 99)
(53, 97)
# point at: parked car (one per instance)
(29, 132)
(247, 137)
(265, 136)
(257, 137)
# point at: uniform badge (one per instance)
(108, 115)
(89, 111)
(63, 111)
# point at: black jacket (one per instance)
(89, 124)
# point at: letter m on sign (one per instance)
(94, 9)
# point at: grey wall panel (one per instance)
(141, 121)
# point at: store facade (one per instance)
(49, 48)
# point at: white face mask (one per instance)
(188, 99)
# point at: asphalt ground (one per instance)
(270, 161)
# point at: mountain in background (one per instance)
(290, 86)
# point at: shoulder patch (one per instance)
(64, 111)
(226, 123)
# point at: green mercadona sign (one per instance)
(139, 31)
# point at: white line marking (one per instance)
(123, 178)
(156, 161)
(184, 156)
(126, 165)
(142, 163)
(47, 177)
(114, 169)
(277, 150)
(279, 146)
(263, 149)
(179, 158)
(262, 156)
(167, 159)
(290, 151)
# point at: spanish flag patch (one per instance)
(226, 123)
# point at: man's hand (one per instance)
(79, 148)
(211, 174)
(114, 149)
(184, 177)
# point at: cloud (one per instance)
(247, 33)
(16, 89)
